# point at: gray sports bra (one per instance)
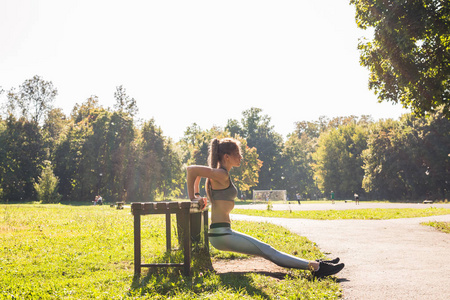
(228, 194)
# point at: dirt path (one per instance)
(385, 259)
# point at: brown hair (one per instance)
(217, 149)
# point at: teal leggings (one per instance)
(223, 238)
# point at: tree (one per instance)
(409, 55)
(119, 155)
(259, 134)
(408, 159)
(34, 98)
(3, 107)
(47, 185)
(21, 153)
(234, 128)
(172, 171)
(338, 162)
(90, 108)
(54, 129)
(435, 136)
(296, 161)
(80, 156)
(3, 155)
(149, 167)
(67, 159)
(247, 175)
(124, 103)
(384, 161)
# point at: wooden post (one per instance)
(168, 237)
(205, 230)
(137, 244)
(196, 226)
(186, 242)
(181, 220)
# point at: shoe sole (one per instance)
(331, 272)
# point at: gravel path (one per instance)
(385, 259)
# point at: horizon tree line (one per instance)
(102, 151)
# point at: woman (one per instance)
(225, 154)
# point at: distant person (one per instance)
(298, 197)
(225, 154)
(332, 197)
(100, 200)
(356, 199)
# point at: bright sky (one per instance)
(193, 61)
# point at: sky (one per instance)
(187, 62)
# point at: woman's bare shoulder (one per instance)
(208, 172)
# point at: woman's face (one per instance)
(236, 158)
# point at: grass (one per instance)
(441, 226)
(86, 252)
(362, 214)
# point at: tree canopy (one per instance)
(34, 98)
(409, 54)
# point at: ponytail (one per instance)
(213, 159)
(213, 162)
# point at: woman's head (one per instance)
(219, 148)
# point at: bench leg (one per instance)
(187, 243)
(168, 237)
(196, 227)
(205, 230)
(137, 245)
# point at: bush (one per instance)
(47, 187)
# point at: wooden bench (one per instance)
(120, 205)
(189, 220)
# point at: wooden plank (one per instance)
(160, 206)
(164, 207)
(137, 245)
(173, 206)
(185, 205)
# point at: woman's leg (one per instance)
(223, 238)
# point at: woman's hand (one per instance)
(202, 202)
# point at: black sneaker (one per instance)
(327, 269)
(333, 261)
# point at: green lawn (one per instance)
(85, 252)
(441, 226)
(363, 214)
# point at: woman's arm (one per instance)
(197, 185)
(195, 173)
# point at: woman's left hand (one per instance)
(202, 202)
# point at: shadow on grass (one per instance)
(274, 275)
(168, 282)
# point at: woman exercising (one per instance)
(225, 154)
